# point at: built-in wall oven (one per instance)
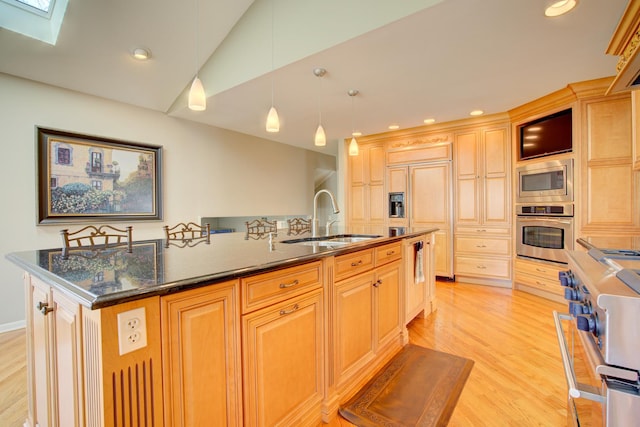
(544, 232)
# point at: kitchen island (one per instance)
(238, 331)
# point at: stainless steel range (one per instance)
(603, 291)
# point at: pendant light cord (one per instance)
(197, 30)
(272, 47)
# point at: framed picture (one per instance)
(85, 178)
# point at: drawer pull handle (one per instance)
(44, 308)
(390, 252)
(285, 312)
(377, 283)
(355, 264)
(481, 267)
(481, 231)
(481, 246)
(288, 285)
(541, 270)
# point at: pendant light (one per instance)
(197, 96)
(320, 139)
(353, 145)
(273, 122)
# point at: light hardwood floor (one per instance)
(517, 379)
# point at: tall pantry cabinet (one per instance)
(483, 204)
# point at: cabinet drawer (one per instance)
(349, 264)
(387, 253)
(483, 230)
(483, 245)
(541, 270)
(539, 283)
(269, 288)
(471, 266)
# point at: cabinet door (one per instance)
(497, 201)
(201, 356)
(68, 361)
(283, 359)
(44, 399)
(431, 194)
(609, 184)
(387, 302)
(57, 360)
(353, 324)
(468, 196)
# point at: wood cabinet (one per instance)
(201, 356)
(419, 295)
(483, 204)
(366, 200)
(429, 204)
(539, 278)
(366, 318)
(610, 186)
(54, 357)
(283, 346)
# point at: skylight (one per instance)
(38, 19)
(42, 5)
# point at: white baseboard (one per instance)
(6, 327)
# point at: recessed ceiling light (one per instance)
(476, 113)
(557, 8)
(141, 54)
(394, 127)
(429, 121)
(356, 133)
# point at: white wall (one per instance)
(207, 171)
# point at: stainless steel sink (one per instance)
(335, 240)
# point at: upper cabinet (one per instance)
(366, 185)
(483, 172)
(624, 44)
(609, 190)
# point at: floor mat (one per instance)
(418, 387)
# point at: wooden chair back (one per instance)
(298, 225)
(92, 236)
(187, 234)
(260, 228)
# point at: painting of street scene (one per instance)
(89, 178)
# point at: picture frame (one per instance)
(85, 178)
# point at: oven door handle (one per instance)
(576, 390)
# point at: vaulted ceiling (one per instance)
(410, 60)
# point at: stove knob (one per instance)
(566, 279)
(571, 294)
(576, 308)
(586, 322)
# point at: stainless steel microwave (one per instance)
(550, 181)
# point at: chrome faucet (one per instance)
(314, 222)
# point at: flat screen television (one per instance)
(546, 136)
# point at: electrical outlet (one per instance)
(132, 330)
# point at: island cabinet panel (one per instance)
(122, 389)
(54, 359)
(283, 354)
(367, 319)
(201, 356)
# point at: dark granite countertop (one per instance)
(101, 278)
